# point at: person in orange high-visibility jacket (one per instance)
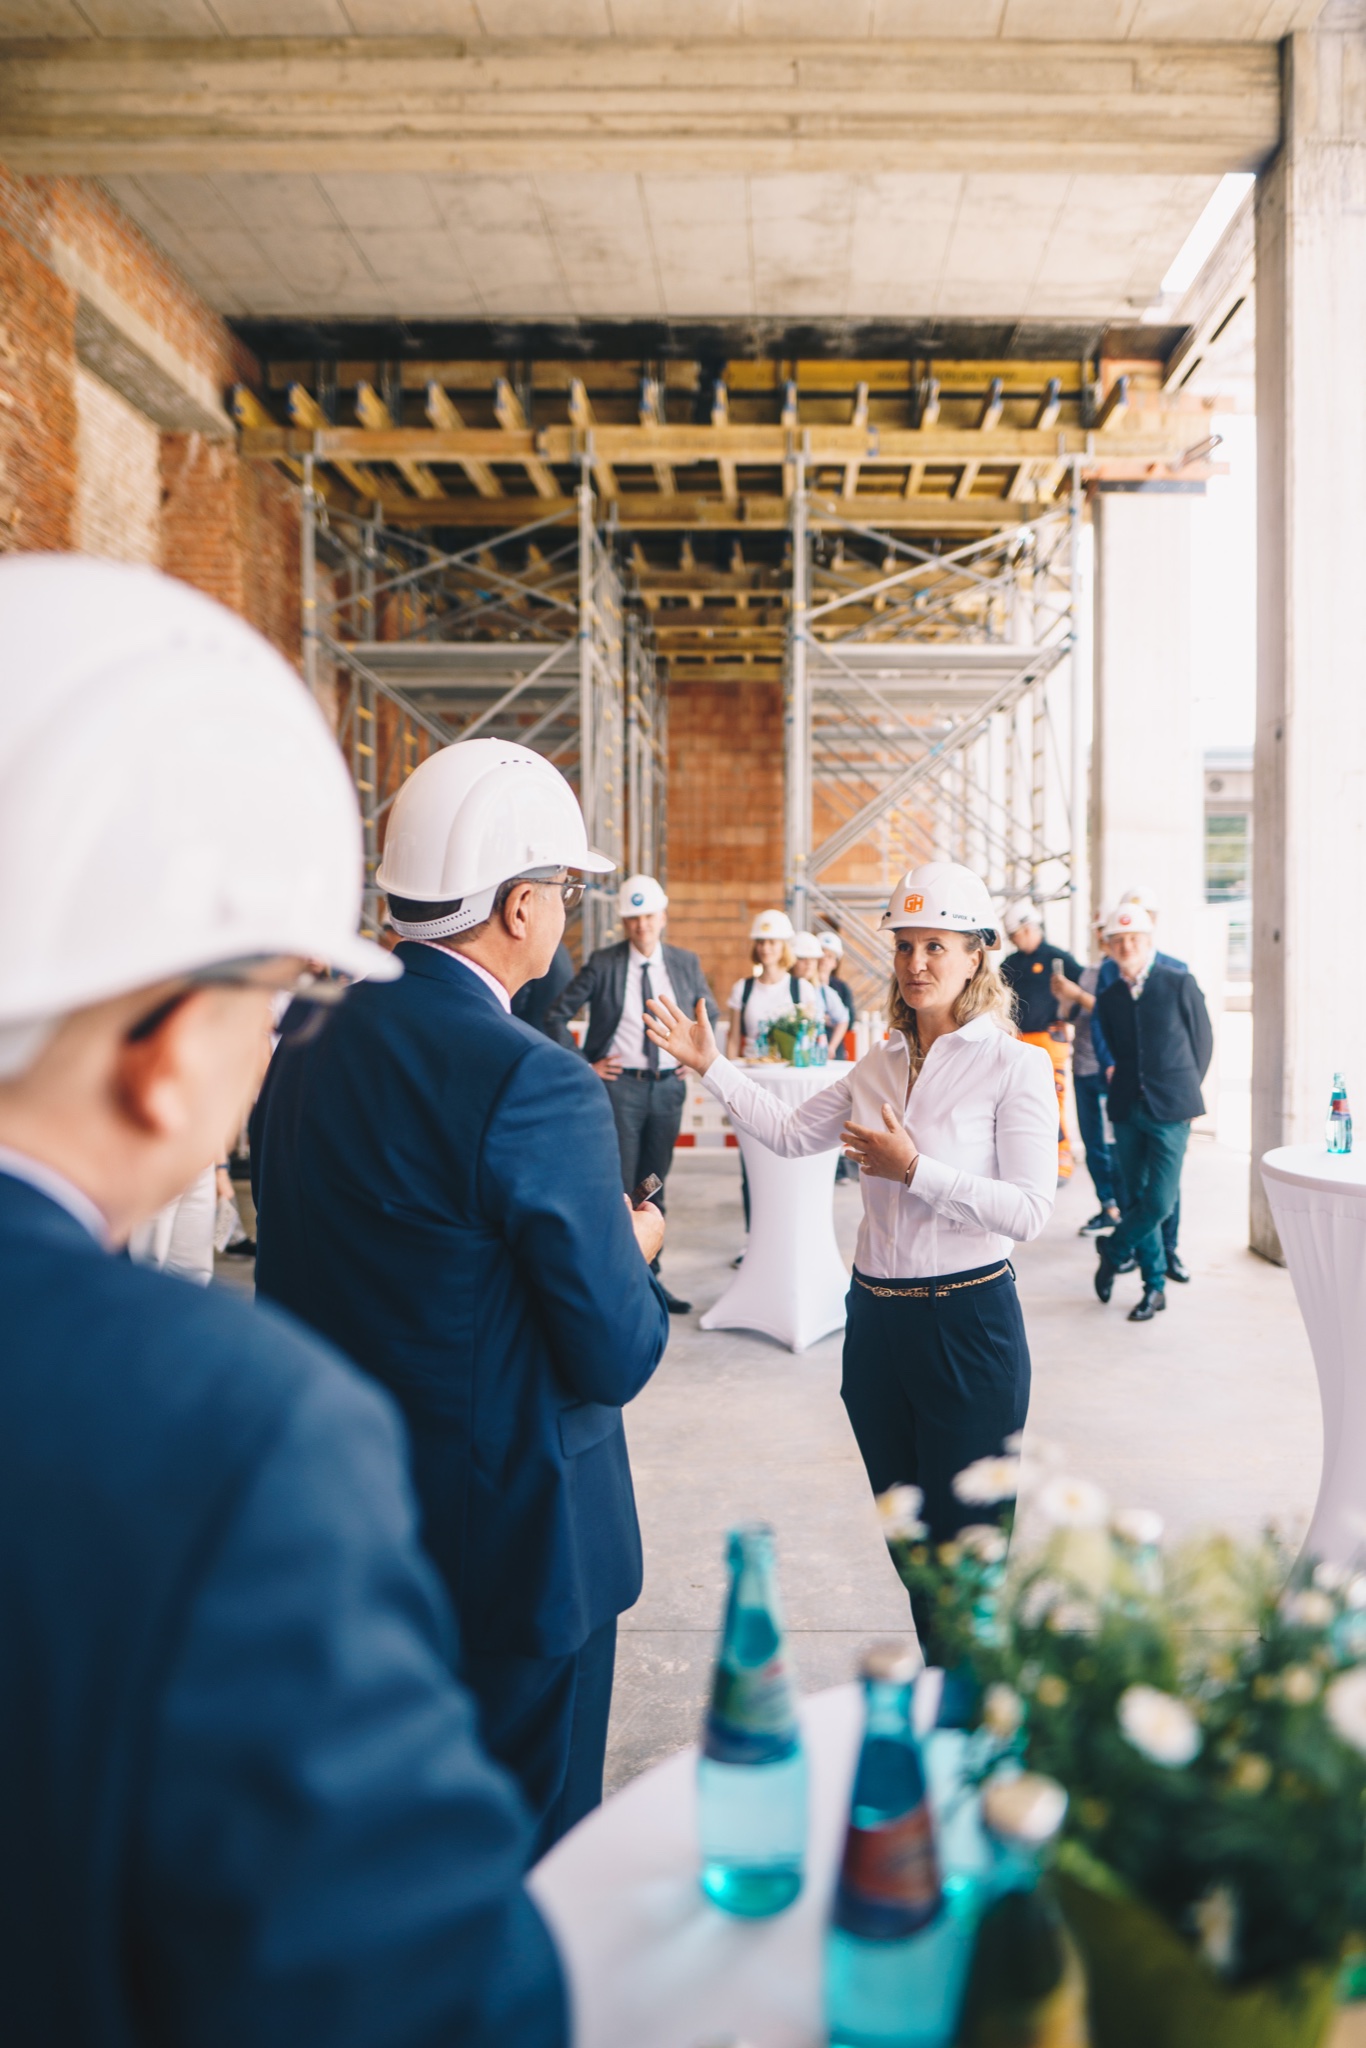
(1031, 973)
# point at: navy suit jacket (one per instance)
(601, 983)
(439, 1192)
(242, 1798)
(1162, 1045)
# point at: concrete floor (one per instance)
(1209, 1414)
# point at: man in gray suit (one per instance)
(643, 1083)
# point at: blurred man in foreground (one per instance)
(243, 1796)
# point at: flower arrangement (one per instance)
(1205, 1709)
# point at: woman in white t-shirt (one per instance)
(953, 1123)
(773, 989)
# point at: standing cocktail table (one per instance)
(793, 1281)
(1318, 1201)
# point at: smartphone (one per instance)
(640, 1195)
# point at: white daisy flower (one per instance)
(1308, 1609)
(1073, 1618)
(987, 1481)
(1345, 1705)
(1216, 1924)
(1002, 1711)
(1139, 1526)
(1073, 1504)
(984, 1541)
(1041, 1595)
(1026, 1808)
(1299, 1684)
(1355, 1595)
(1331, 1577)
(899, 1508)
(1159, 1725)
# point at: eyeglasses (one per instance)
(571, 892)
(306, 986)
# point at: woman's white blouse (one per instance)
(984, 1117)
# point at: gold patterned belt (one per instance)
(935, 1288)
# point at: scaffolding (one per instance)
(523, 636)
(935, 708)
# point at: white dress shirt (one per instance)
(628, 1044)
(984, 1117)
(35, 1173)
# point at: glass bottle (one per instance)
(752, 1771)
(898, 1947)
(1027, 1987)
(1339, 1118)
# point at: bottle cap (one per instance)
(890, 1663)
(1026, 1808)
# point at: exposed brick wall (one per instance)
(77, 474)
(118, 476)
(725, 819)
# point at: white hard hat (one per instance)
(170, 797)
(1020, 913)
(639, 896)
(806, 946)
(831, 942)
(1143, 896)
(941, 896)
(471, 817)
(772, 924)
(1127, 917)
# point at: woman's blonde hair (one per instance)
(787, 960)
(986, 995)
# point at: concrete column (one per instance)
(1147, 795)
(1308, 964)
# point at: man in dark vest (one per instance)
(644, 1085)
(244, 1798)
(437, 1191)
(1158, 1032)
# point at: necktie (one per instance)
(646, 991)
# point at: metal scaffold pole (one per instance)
(308, 576)
(798, 718)
(1079, 683)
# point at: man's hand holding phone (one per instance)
(646, 1220)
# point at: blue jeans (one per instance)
(1090, 1092)
(1150, 1155)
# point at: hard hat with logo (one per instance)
(806, 946)
(1023, 912)
(640, 896)
(941, 896)
(1145, 897)
(471, 817)
(831, 942)
(772, 924)
(170, 797)
(1127, 917)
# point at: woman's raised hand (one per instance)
(689, 1039)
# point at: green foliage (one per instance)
(1252, 1849)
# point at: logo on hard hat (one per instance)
(638, 897)
(1124, 918)
(914, 903)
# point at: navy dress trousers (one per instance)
(242, 1798)
(438, 1192)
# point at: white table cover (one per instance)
(651, 1962)
(793, 1281)
(1318, 1200)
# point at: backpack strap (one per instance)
(794, 989)
(746, 992)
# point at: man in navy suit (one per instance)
(645, 1087)
(437, 1191)
(243, 1796)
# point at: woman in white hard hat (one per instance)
(775, 989)
(831, 960)
(953, 1122)
(807, 967)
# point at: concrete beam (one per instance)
(555, 105)
(116, 344)
(759, 514)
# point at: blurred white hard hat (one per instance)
(772, 924)
(831, 942)
(1144, 897)
(1127, 917)
(471, 817)
(639, 896)
(941, 896)
(806, 946)
(1023, 912)
(170, 797)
